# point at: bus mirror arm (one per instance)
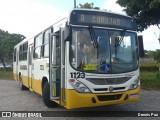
(93, 37)
(66, 32)
(54, 34)
(54, 66)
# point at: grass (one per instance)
(6, 75)
(150, 80)
(149, 63)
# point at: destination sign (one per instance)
(102, 19)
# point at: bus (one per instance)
(88, 59)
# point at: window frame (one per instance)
(46, 43)
(23, 50)
(38, 46)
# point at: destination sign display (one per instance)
(102, 19)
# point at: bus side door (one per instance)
(57, 69)
(30, 52)
(54, 67)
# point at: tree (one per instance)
(7, 43)
(156, 56)
(145, 12)
(88, 6)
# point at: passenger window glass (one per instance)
(38, 41)
(37, 52)
(46, 50)
(46, 43)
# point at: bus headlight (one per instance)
(78, 86)
(134, 85)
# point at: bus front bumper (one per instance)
(79, 100)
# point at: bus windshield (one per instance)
(110, 51)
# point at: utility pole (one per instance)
(74, 3)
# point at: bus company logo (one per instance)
(110, 88)
(6, 114)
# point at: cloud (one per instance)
(110, 5)
(26, 17)
(150, 38)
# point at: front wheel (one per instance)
(46, 96)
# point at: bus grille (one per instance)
(108, 81)
(106, 89)
(109, 97)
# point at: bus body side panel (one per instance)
(14, 71)
(40, 69)
(24, 72)
(37, 85)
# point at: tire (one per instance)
(21, 86)
(46, 97)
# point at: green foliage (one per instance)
(150, 80)
(7, 69)
(149, 68)
(150, 75)
(145, 12)
(144, 63)
(88, 6)
(149, 54)
(7, 43)
(156, 56)
(158, 76)
(6, 75)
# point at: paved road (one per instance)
(12, 99)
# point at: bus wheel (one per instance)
(46, 96)
(21, 86)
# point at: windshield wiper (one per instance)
(93, 37)
(122, 34)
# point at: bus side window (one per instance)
(37, 46)
(58, 49)
(45, 52)
(20, 52)
(25, 48)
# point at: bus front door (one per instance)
(54, 67)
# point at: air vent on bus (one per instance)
(119, 88)
(108, 81)
(109, 97)
(101, 89)
(106, 89)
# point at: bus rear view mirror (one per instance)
(140, 45)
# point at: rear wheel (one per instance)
(46, 96)
(21, 86)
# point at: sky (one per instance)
(29, 17)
